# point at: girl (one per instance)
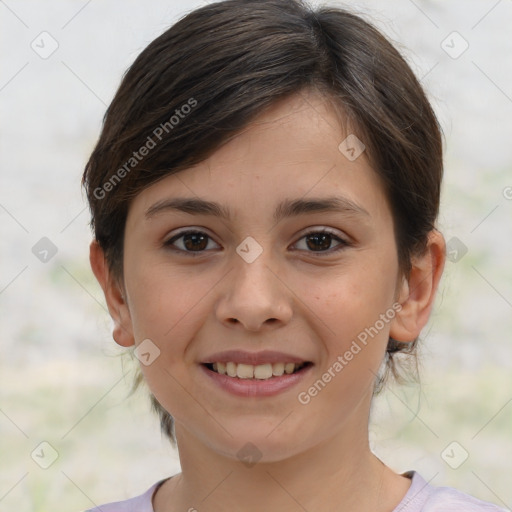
(264, 196)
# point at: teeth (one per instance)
(231, 369)
(278, 369)
(245, 371)
(263, 371)
(289, 367)
(260, 372)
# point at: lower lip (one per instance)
(256, 387)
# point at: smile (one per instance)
(255, 381)
(260, 372)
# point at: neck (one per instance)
(340, 473)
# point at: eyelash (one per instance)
(342, 243)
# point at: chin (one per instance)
(257, 446)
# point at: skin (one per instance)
(293, 298)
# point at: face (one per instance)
(280, 280)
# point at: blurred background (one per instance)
(70, 434)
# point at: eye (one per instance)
(321, 240)
(193, 242)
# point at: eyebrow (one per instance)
(287, 208)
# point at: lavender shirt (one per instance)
(421, 497)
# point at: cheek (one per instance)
(166, 312)
(157, 298)
(350, 300)
(168, 306)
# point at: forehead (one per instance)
(293, 130)
(296, 148)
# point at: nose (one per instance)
(254, 297)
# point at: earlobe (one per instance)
(417, 293)
(116, 303)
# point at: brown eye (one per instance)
(321, 241)
(189, 242)
(195, 241)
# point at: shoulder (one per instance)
(141, 503)
(424, 497)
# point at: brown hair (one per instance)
(211, 73)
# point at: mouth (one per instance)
(254, 374)
(265, 371)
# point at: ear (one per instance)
(114, 295)
(417, 294)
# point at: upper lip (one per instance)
(254, 358)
